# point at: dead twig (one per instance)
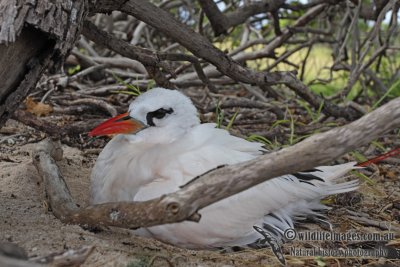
(12, 262)
(71, 257)
(96, 103)
(53, 129)
(364, 220)
(8, 249)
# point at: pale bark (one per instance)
(34, 36)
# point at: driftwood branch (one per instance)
(218, 184)
(53, 183)
(71, 257)
(14, 256)
(13, 262)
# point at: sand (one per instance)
(25, 220)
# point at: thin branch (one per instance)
(221, 22)
(53, 129)
(217, 19)
(151, 59)
(241, 14)
(194, 42)
(201, 47)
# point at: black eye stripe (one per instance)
(158, 114)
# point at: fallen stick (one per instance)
(71, 257)
(13, 262)
(217, 184)
(363, 219)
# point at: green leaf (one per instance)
(358, 156)
(73, 70)
(278, 122)
(307, 108)
(150, 84)
(125, 92)
(378, 145)
(291, 139)
(298, 139)
(231, 121)
(321, 106)
(393, 88)
(320, 261)
(133, 90)
(220, 115)
(364, 177)
(260, 139)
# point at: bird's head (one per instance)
(158, 111)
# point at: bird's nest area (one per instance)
(68, 114)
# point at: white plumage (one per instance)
(172, 147)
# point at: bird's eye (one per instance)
(158, 114)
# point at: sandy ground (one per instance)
(25, 221)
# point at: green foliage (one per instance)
(325, 89)
(231, 121)
(299, 138)
(291, 138)
(261, 139)
(313, 114)
(73, 70)
(151, 84)
(354, 91)
(317, 73)
(362, 176)
(279, 122)
(386, 70)
(219, 115)
(393, 91)
(320, 261)
(358, 156)
(379, 146)
(132, 89)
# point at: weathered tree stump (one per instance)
(34, 36)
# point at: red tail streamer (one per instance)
(391, 153)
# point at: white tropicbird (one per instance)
(161, 145)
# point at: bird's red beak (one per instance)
(121, 124)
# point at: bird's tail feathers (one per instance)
(342, 187)
(332, 173)
(279, 221)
